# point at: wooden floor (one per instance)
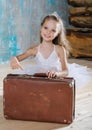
(83, 116)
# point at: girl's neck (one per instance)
(47, 44)
(46, 48)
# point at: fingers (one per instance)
(17, 66)
(20, 67)
(51, 74)
(14, 63)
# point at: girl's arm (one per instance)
(63, 59)
(15, 61)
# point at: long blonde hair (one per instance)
(60, 39)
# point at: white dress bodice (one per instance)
(50, 63)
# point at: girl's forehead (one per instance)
(50, 22)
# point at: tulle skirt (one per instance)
(81, 74)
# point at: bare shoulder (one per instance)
(60, 50)
(32, 50)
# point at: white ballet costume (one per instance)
(81, 74)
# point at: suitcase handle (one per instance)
(39, 75)
(25, 75)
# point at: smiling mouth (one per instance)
(46, 36)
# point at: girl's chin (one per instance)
(47, 39)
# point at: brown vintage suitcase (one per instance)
(34, 98)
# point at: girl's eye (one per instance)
(53, 30)
(45, 27)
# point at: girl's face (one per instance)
(49, 30)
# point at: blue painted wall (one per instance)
(20, 23)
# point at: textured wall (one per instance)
(20, 23)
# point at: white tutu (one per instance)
(81, 74)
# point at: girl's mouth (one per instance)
(46, 36)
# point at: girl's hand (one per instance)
(14, 63)
(51, 74)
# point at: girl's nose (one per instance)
(48, 31)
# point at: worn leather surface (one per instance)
(39, 98)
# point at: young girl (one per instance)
(51, 54)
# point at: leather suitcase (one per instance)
(38, 98)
